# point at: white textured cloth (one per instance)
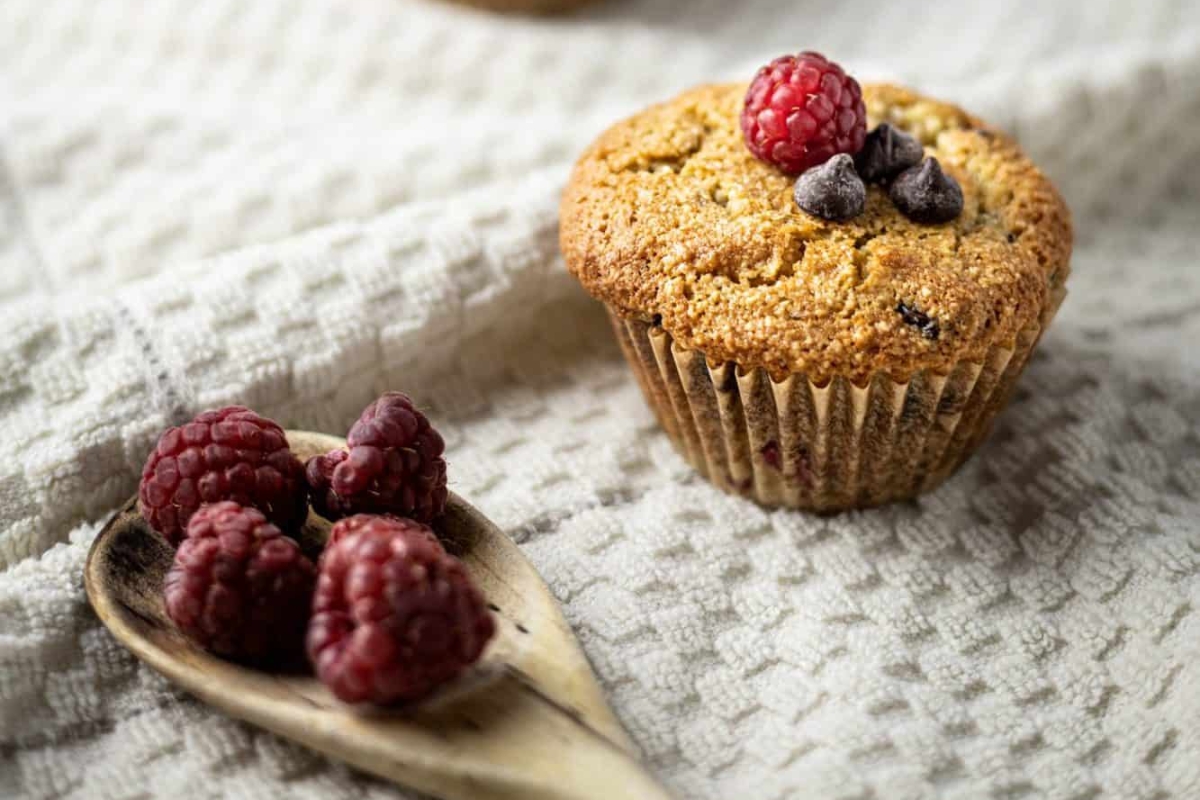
(296, 204)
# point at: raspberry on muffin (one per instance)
(392, 464)
(239, 587)
(229, 453)
(394, 617)
(802, 110)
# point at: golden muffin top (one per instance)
(669, 217)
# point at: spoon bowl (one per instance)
(529, 721)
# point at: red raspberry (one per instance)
(801, 111)
(394, 617)
(393, 465)
(381, 526)
(239, 587)
(228, 454)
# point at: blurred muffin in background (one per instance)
(524, 6)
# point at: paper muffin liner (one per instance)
(825, 447)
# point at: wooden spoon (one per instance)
(529, 722)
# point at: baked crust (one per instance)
(668, 217)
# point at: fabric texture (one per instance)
(299, 204)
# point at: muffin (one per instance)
(808, 362)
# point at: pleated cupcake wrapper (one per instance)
(822, 447)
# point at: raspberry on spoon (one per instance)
(392, 464)
(394, 617)
(380, 526)
(229, 453)
(239, 587)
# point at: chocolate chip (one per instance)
(919, 319)
(832, 190)
(887, 152)
(926, 194)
